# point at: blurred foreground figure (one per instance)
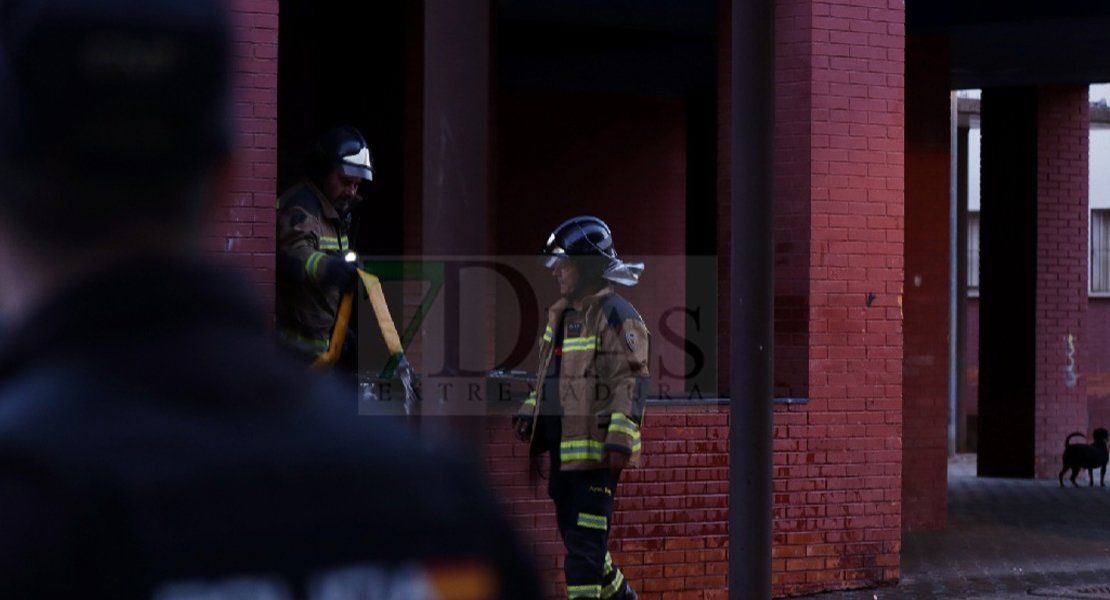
(154, 442)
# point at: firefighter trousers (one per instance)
(584, 513)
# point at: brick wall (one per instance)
(794, 177)
(1095, 373)
(970, 410)
(1062, 149)
(838, 495)
(622, 159)
(839, 239)
(925, 389)
(241, 229)
(1097, 363)
(670, 526)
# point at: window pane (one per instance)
(1100, 250)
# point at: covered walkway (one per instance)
(1006, 538)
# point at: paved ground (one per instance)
(1006, 538)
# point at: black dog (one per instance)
(1086, 456)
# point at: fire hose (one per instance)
(398, 365)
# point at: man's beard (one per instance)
(349, 201)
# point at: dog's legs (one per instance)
(1062, 471)
(1091, 477)
(1074, 474)
(1102, 476)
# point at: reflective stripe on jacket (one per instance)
(603, 379)
(311, 235)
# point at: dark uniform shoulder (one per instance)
(618, 310)
(300, 196)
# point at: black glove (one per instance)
(522, 426)
(342, 274)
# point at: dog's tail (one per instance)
(1067, 442)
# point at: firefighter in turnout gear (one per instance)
(589, 400)
(313, 224)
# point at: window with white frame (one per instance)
(1100, 250)
(973, 252)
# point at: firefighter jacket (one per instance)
(312, 239)
(604, 353)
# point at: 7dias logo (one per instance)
(467, 321)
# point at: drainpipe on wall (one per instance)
(953, 271)
(752, 299)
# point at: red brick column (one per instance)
(856, 276)
(1061, 390)
(242, 230)
(925, 402)
(839, 275)
(794, 176)
(1033, 288)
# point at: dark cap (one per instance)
(111, 87)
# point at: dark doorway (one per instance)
(344, 63)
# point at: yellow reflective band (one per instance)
(579, 344)
(614, 586)
(581, 450)
(293, 338)
(547, 334)
(584, 591)
(531, 399)
(312, 265)
(636, 442)
(622, 424)
(593, 521)
(343, 243)
(330, 243)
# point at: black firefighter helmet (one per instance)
(342, 147)
(588, 241)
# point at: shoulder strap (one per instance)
(617, 310)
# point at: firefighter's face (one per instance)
(342, 190)
(566, 274)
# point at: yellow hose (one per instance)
(381, 311)
(335, 347)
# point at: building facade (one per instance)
(492, 121)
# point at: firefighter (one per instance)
(589, 400)
(314, 267)
(155, 443)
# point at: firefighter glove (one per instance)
(342, 274)
(522, 426)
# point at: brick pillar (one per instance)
(1062, 145)
(1007, 282)
(856, 276)
(838, 283)
(925, 390)
(242, 229)
(794, 175)
(1033, 283)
